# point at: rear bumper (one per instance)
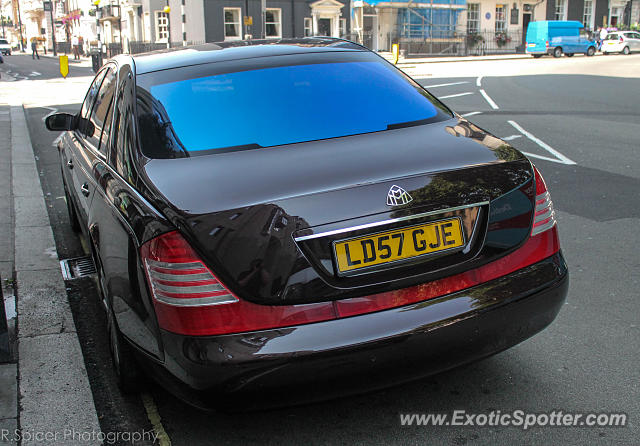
(352, 355)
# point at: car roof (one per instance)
(234, 50)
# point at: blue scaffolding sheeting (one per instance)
(427, 22)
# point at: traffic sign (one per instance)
(64, 66)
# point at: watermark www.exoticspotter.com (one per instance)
(517, 418)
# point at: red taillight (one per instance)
(544, 217)
(621, 39)
(190, 300)
(546, 44)
(178, 277)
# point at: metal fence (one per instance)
(136, 47)
(462, 44)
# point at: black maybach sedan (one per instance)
(299, 218)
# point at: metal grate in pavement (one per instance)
(77, 267)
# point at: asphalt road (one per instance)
(582, 133)
(22, 67)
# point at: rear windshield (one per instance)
(252, 104)
(3, 42)
(611, 37)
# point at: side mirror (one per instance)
(60, 122)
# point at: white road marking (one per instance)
(53, 111)
(560, 158)
(471, 114)
(489, 100)
(479, 81)
(445, 85)
(35, 73)
(455, 95)
(57, 140)
(511, 138)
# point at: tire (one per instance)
(591, 51)
(125, 367)
(557, 52)
(74, 222)
(537, 56)
(568, 54)
(605, 53)
(626, 51)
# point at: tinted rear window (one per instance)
(216, 109)
(3, 42)
(611, 37)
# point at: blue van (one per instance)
(557, 37)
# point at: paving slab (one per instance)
(8, 391)
(6, 207)
(6, 242)
(25, 181)
(8, 432)
(30, 211)
(54, 388)
(36, 249)
(42, 303)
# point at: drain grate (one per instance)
(77, 267)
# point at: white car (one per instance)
(5, 47)
(621, 42)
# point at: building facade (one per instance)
(224, 20)
(592, 13)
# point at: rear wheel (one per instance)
(626, 50)
(124, 364)
(591, 51)
(557, 52)
(605, 53)
(568, 54)
(537, 56)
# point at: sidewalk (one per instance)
(83, 62)
(45, 393)
(411, 61)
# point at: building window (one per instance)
(232, 29)
(273, 23)
(343, 27)
(162, 26)
(501, 18)
(561, 10)
(473, 18)
(587, 15)
(308, 26)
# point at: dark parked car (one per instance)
(300, 215)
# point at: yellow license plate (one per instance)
(399, 244)
(532, 44)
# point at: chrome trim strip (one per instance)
(197, 301)
(181, 277)
(386, 222)
(189, 289)
(548, 225)
(178, 266)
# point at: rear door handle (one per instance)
(85, 189)
(70, 164)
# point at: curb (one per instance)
(54, 392)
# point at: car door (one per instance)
(71, 148)
(116, 209)
(635, 38)
(92, 143)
